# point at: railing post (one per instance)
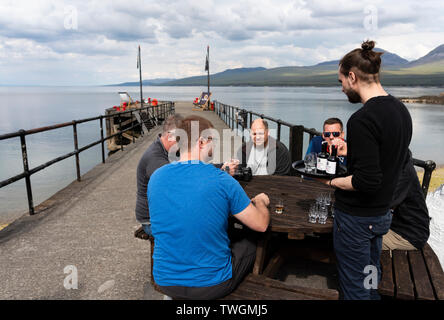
(244, 123)
(132, 126)
(26, 170)
(120, 133)
(296, 142)
(101, 136)
(279, 130)
(232, 118)
(76, 149)
(428, 169)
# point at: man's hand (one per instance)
(342, 146)
(261, 197)
(232, 165)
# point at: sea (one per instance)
(34, 107)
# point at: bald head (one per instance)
(259, 132)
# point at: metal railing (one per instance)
(235, 117)
(162, 110)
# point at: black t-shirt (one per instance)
(378, 137)
(154, 157)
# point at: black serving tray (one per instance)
(299, 167)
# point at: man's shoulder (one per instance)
(317, 139)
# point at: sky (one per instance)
(44, 42)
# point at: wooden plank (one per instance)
(404, 285)
(312, 293)
(273, 266)
(296, 236)
(386, 286)
(256, 291)
(435, 271)
(423, 287)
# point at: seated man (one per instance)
(333, 133)
(264, 154)
(410, 222)
(190, 203)
(154, 157)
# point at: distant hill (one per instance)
(396, 71)
(388, 59)
(152, 82)
(435, 55)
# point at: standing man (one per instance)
(378, 135)
(264, 154)
(154, 157)
(190, 202)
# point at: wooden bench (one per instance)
(259, 287)
(410, 275)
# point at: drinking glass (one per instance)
(279, 206)
(310, 162)
(312, 214)
(323, 214)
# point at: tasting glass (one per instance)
(310, 162)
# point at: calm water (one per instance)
(32, 107)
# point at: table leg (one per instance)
(260, 253)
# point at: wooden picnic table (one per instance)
(298, 195)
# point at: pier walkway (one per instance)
(88, 225)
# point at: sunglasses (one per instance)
(335, 134)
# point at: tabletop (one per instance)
(298, 195)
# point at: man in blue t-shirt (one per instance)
(190, 202)
(333, 133)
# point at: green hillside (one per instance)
(430, 74)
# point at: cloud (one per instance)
(174, 34)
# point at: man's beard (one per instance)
(353, 96)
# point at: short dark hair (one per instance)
(185, 125)
(333, 121)
(364, 62)
(171, 123)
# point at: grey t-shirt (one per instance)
(154, 157)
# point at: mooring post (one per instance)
(76, 149)
(26, 170)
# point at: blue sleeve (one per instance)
(238, 199)
(310, 147)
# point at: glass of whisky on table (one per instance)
(279, 206)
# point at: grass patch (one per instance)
(437, 178)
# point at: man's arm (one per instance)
(342, 183)
(256, 215)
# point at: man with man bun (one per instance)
(378, 137)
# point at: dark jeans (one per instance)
(243, 256)
(358, 243)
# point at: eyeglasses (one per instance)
(335, 134)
